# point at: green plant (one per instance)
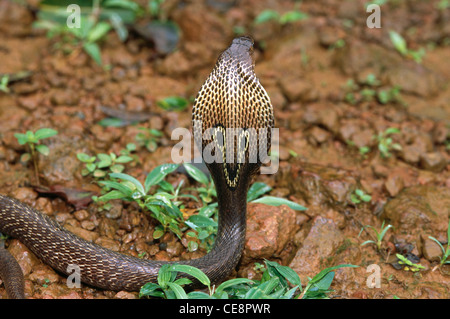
(400, 45)
(369, 90)
(443, 4)
(445, 252)
(163, 205)
(173, 103)
(385, 142)
(389, 95)
(93, 27)
(149, 138)
(100, 164)
(33, 142)
(408, 265)
(288, 17)
(363, 150)
(4, 80)
(277, 282)
(359, 196)
(379, 234)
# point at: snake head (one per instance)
(233, 117)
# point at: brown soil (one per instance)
(304, 66)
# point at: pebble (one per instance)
(434, 162)
(430, 249)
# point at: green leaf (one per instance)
(288, 273)
(165, 275)
(292, 16)
(91, 167)
(391, 130)
(178, 290)
(21, 138)
(118, 168)
(124, 4)
(266, 15)
(173, 103)
(105, 160)
(99, 31)
(183, 281)
(131, 179)
(43, 149)
(158, 174)
(44, 133)
(120, 187)
(99, 173)
(324, 272)
(399, 42)
(114, 194)
(25, 157)
(85, 158)
(30, 137)
(192, 271)
(151, 289)
(202, 221)
(277, 201)
(233, 282)
(158, 232)
(124, 159)
(196, 174)
(112, 121)
(93, 50)
(198, 295)
(256, 190)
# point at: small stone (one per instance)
(318, 135)
(26, 259)
(108, 243)
(25, 194)
(434, 162)
(430, 249)
(321, 243)
(125, 295)
(269, 229)
(88, 224)
(83, 233)
(81, 215)
(394, 184)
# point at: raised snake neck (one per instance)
(231, 97)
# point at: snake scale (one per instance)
(231, 97)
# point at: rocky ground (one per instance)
(327, 127)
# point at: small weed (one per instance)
(409, 265)
(278, 282)
(149, 138)
(400, 45)
(93, 27)
(385, 142)
(370, 90)
(173, 103)
(379, 234)
(100, 164)
(363, 150)
(286, 18)
(33, 142)
(4, 81)
(445, 252)
(359, 196)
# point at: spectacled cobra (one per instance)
(231, 97)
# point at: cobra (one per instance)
(231, 97)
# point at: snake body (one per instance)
(231, 97)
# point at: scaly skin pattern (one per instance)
(231, 97)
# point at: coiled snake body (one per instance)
(231, 97)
